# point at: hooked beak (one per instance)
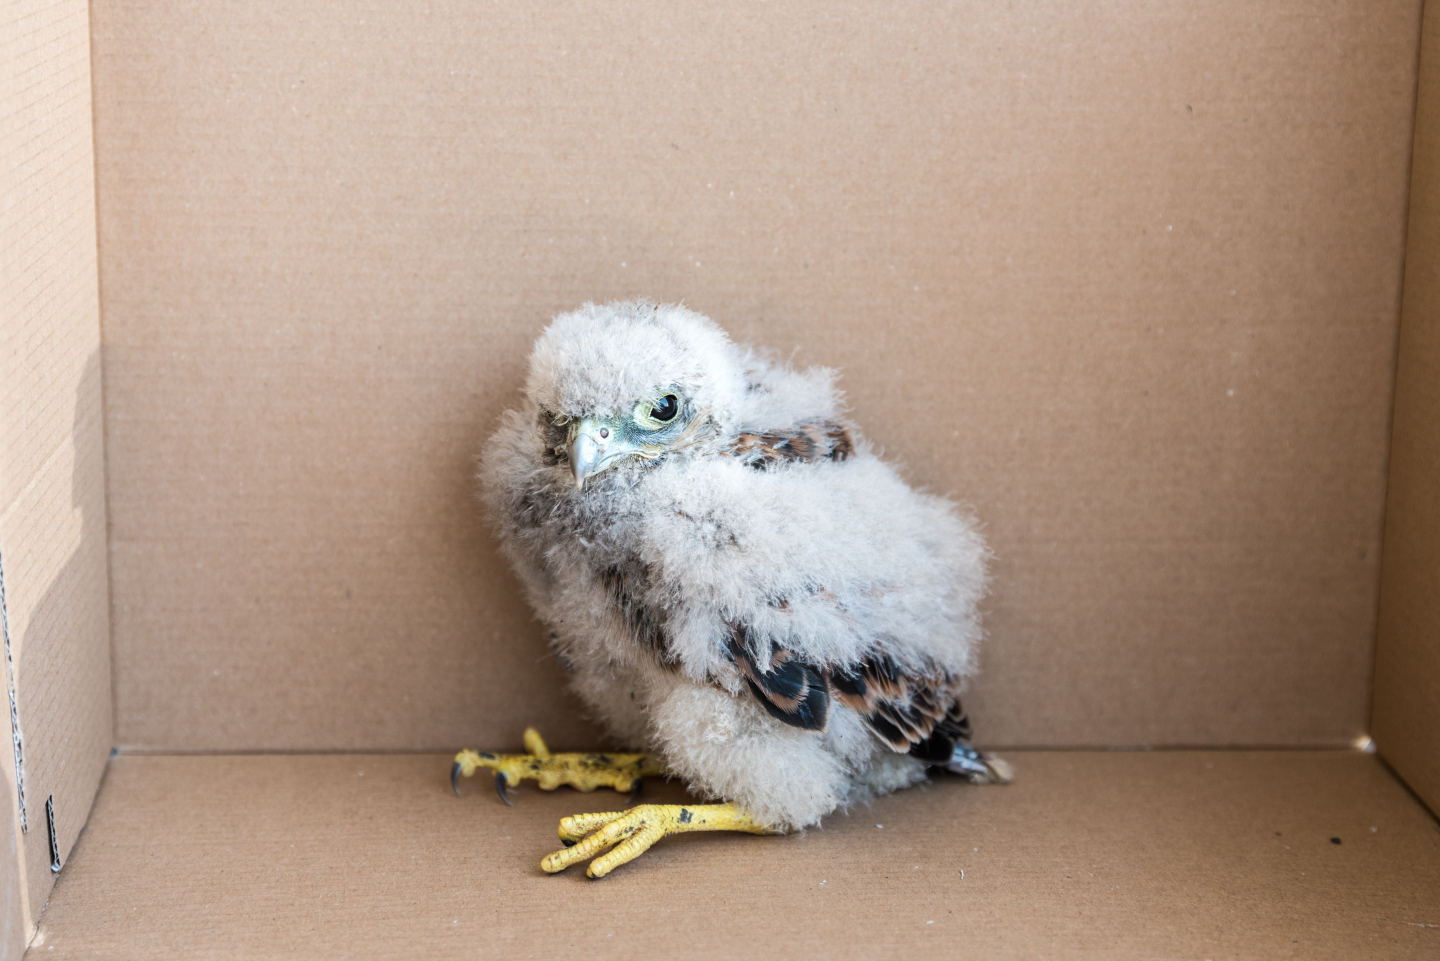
(585, 454)
(593, 446)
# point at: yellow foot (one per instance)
(633, 831)
(584, 772)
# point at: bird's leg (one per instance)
(632, 832)
(584, 772)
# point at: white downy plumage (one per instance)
(751, 593)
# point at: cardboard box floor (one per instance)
(1126, 277)
(1190, 854)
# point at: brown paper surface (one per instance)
(1407, 657)
(15, 928)
(1086, 855)
(52, 474)
(1125, 278)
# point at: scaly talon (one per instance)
(631, 833)
(465, 763)
(534, 743)
(574, 828)
(584, 772)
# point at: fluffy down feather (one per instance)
(766, 603)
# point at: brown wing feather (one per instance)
(916, 713)
(793, 691)
(806, 443)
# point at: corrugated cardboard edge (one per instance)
(14, 911)
(1406, 714)
(52, 492)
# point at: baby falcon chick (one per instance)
(735, 583)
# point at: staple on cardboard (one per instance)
(54, 844)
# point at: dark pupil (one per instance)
(666, 409)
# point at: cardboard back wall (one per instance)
(1124, 277)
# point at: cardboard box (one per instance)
(1146, 284)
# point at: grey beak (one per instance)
(584, 457)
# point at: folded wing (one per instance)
(915, 713)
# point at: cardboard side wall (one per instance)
(1407, 657)
(52, 477)
(1125, 277)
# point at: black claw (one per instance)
(500, 787)
(455, 777)
(568, 844)
(635, 788)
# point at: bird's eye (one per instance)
(657, 414)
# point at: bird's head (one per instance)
(628, 382)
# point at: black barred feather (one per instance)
(920, 715)
(793, 691)
(806, 443)
(952, 730)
